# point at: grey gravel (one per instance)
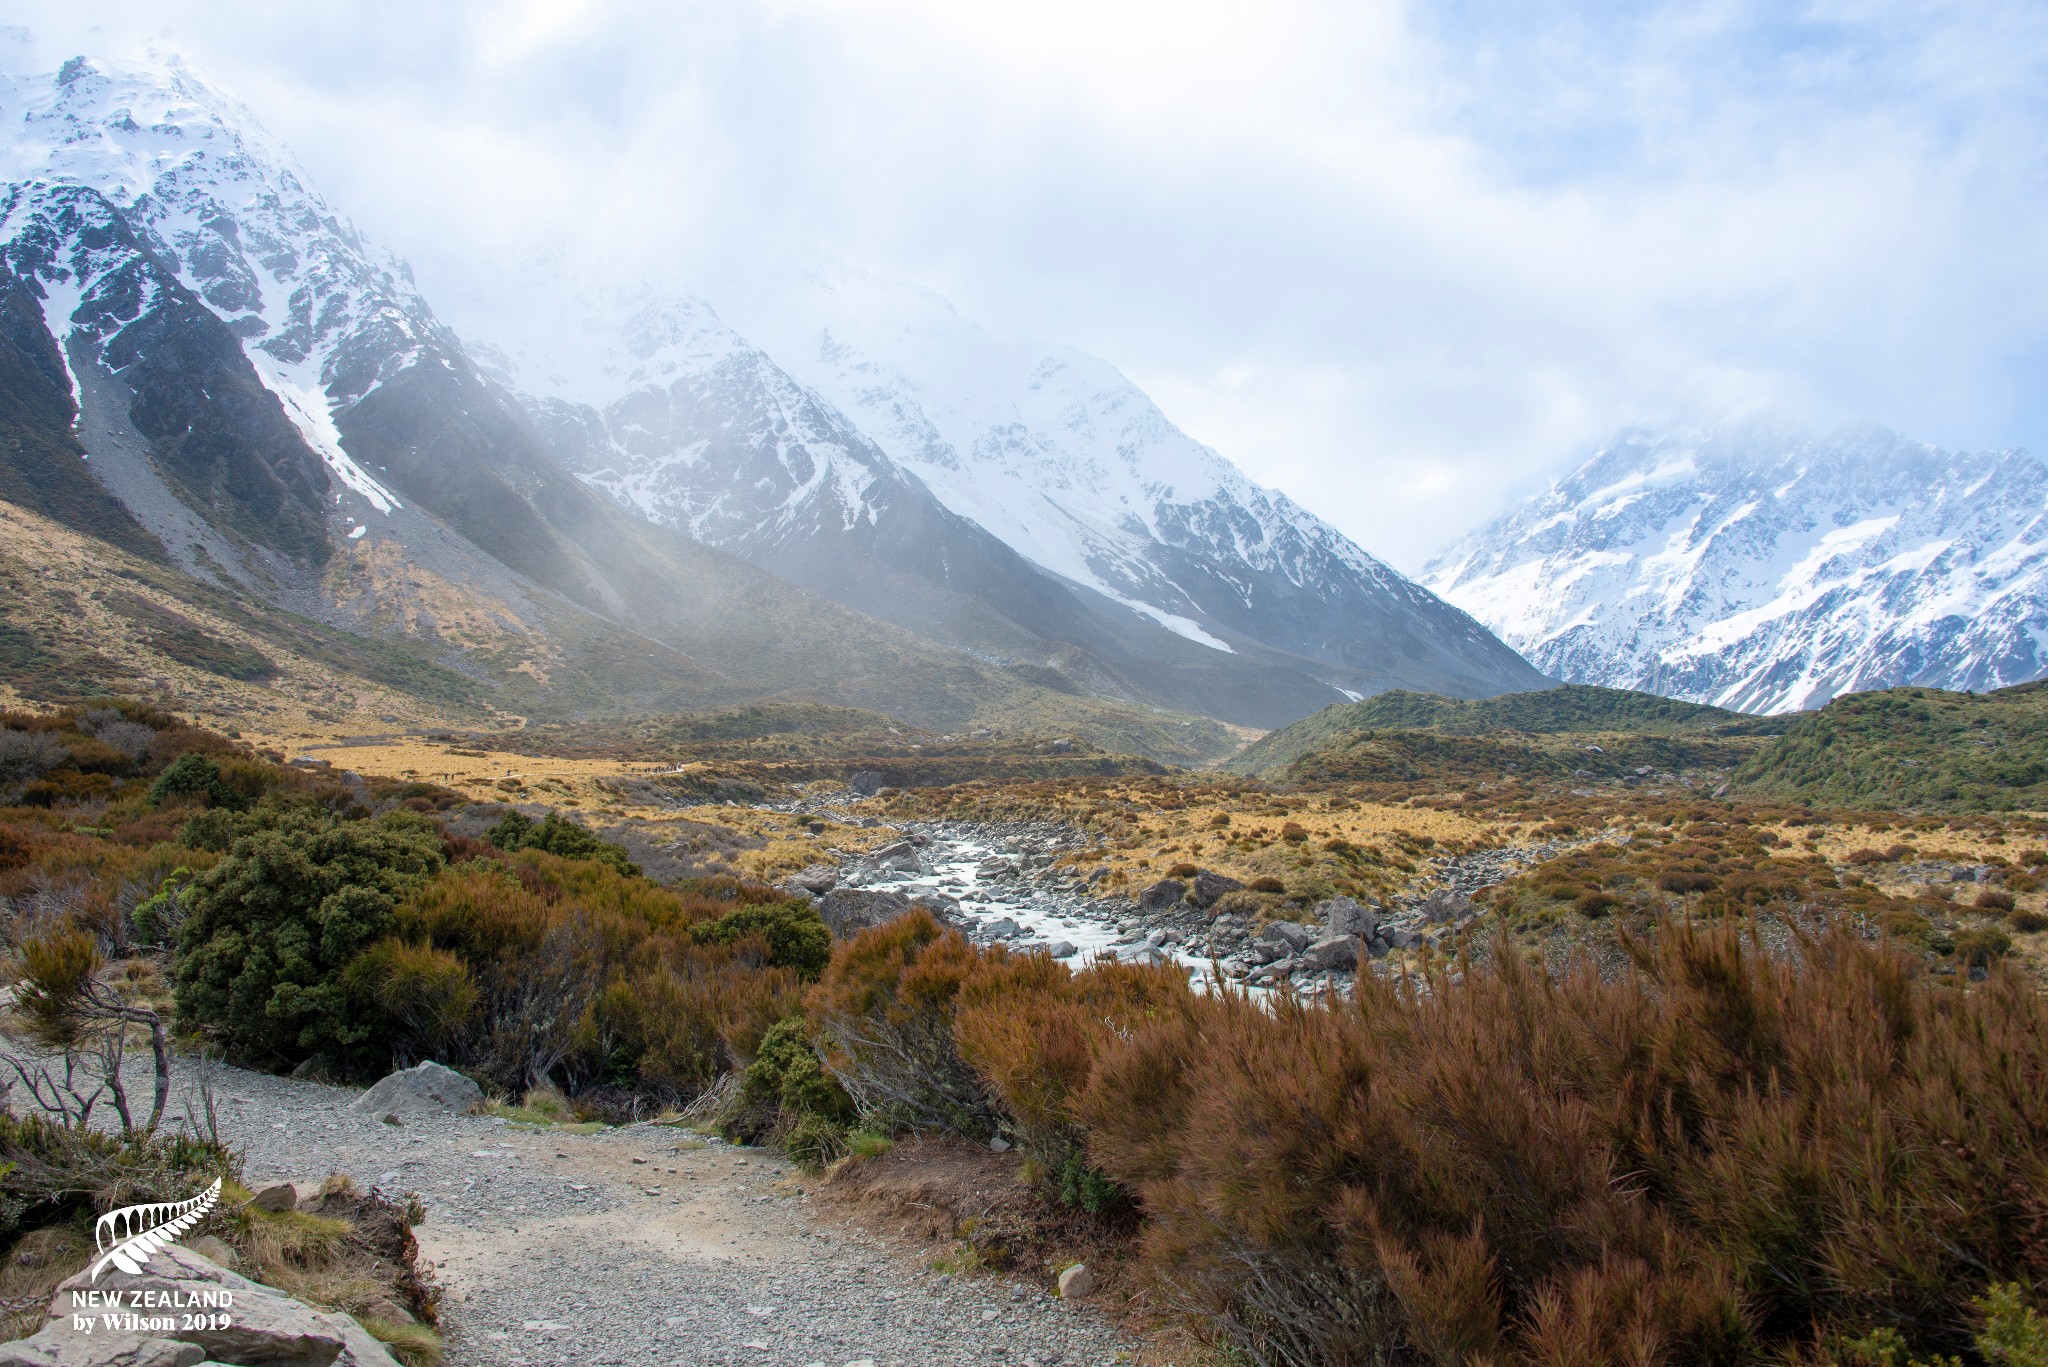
(645, 1244)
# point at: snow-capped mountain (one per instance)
(224, 208)
(1076, 468)
(269, 398)
(201, 360)
(1097, 540)
(705, 433)
(1762, 567)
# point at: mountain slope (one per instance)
(705, 433)
(262, 399)
(1763, 568)
(1075, 468)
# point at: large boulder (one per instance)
(1208, 886)
(1446, 905)
(849, 911)
(428, 1089)
(1325, 956)
(1347, 916)
(817, 879)
(1289, 935)
(263, 1327)
(1162, 894)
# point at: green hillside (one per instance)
(1401, 736)
(1913, 747)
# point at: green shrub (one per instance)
(814, 1142)
(158, 917)
(2015, 1334)
(426, 994)
(213, 829)
(1084, 1186)
(194, 774)
(787, 1084)
(868, 1144)
(559, 837)
(271, 927)
(796, 934)
(1977, 948)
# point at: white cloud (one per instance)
(1397, 259)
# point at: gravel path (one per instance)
(645, 1245)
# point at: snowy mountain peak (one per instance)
(1067, 461)
(325, 317)
(1760, 566)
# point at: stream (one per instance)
(998, 884)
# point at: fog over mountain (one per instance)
(268, 396)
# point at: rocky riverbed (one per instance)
(1002, 883)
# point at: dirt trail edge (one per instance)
(645, 1245)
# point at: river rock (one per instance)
(817, 879)
(1209, 886)
(1292, 937)
(1446, 905)
(1324, 956)
(1347, 916)
(265, 1326)
(849, 911)
(865, 782)
(1077, 1283)
(1162, 894)
(428, 1089)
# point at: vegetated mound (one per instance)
(1400, 737)
(1913, 747)
(744, 752)
(787, 725)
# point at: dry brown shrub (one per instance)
(1720, 1156)
(884, 1012)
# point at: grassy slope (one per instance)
(1913, 747)
(1400, 736)
(79, 617)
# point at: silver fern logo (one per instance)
(127, 1237)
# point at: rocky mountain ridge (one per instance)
(1766, 568)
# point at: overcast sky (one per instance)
(1403, 261)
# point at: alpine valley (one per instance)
(208, 368)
